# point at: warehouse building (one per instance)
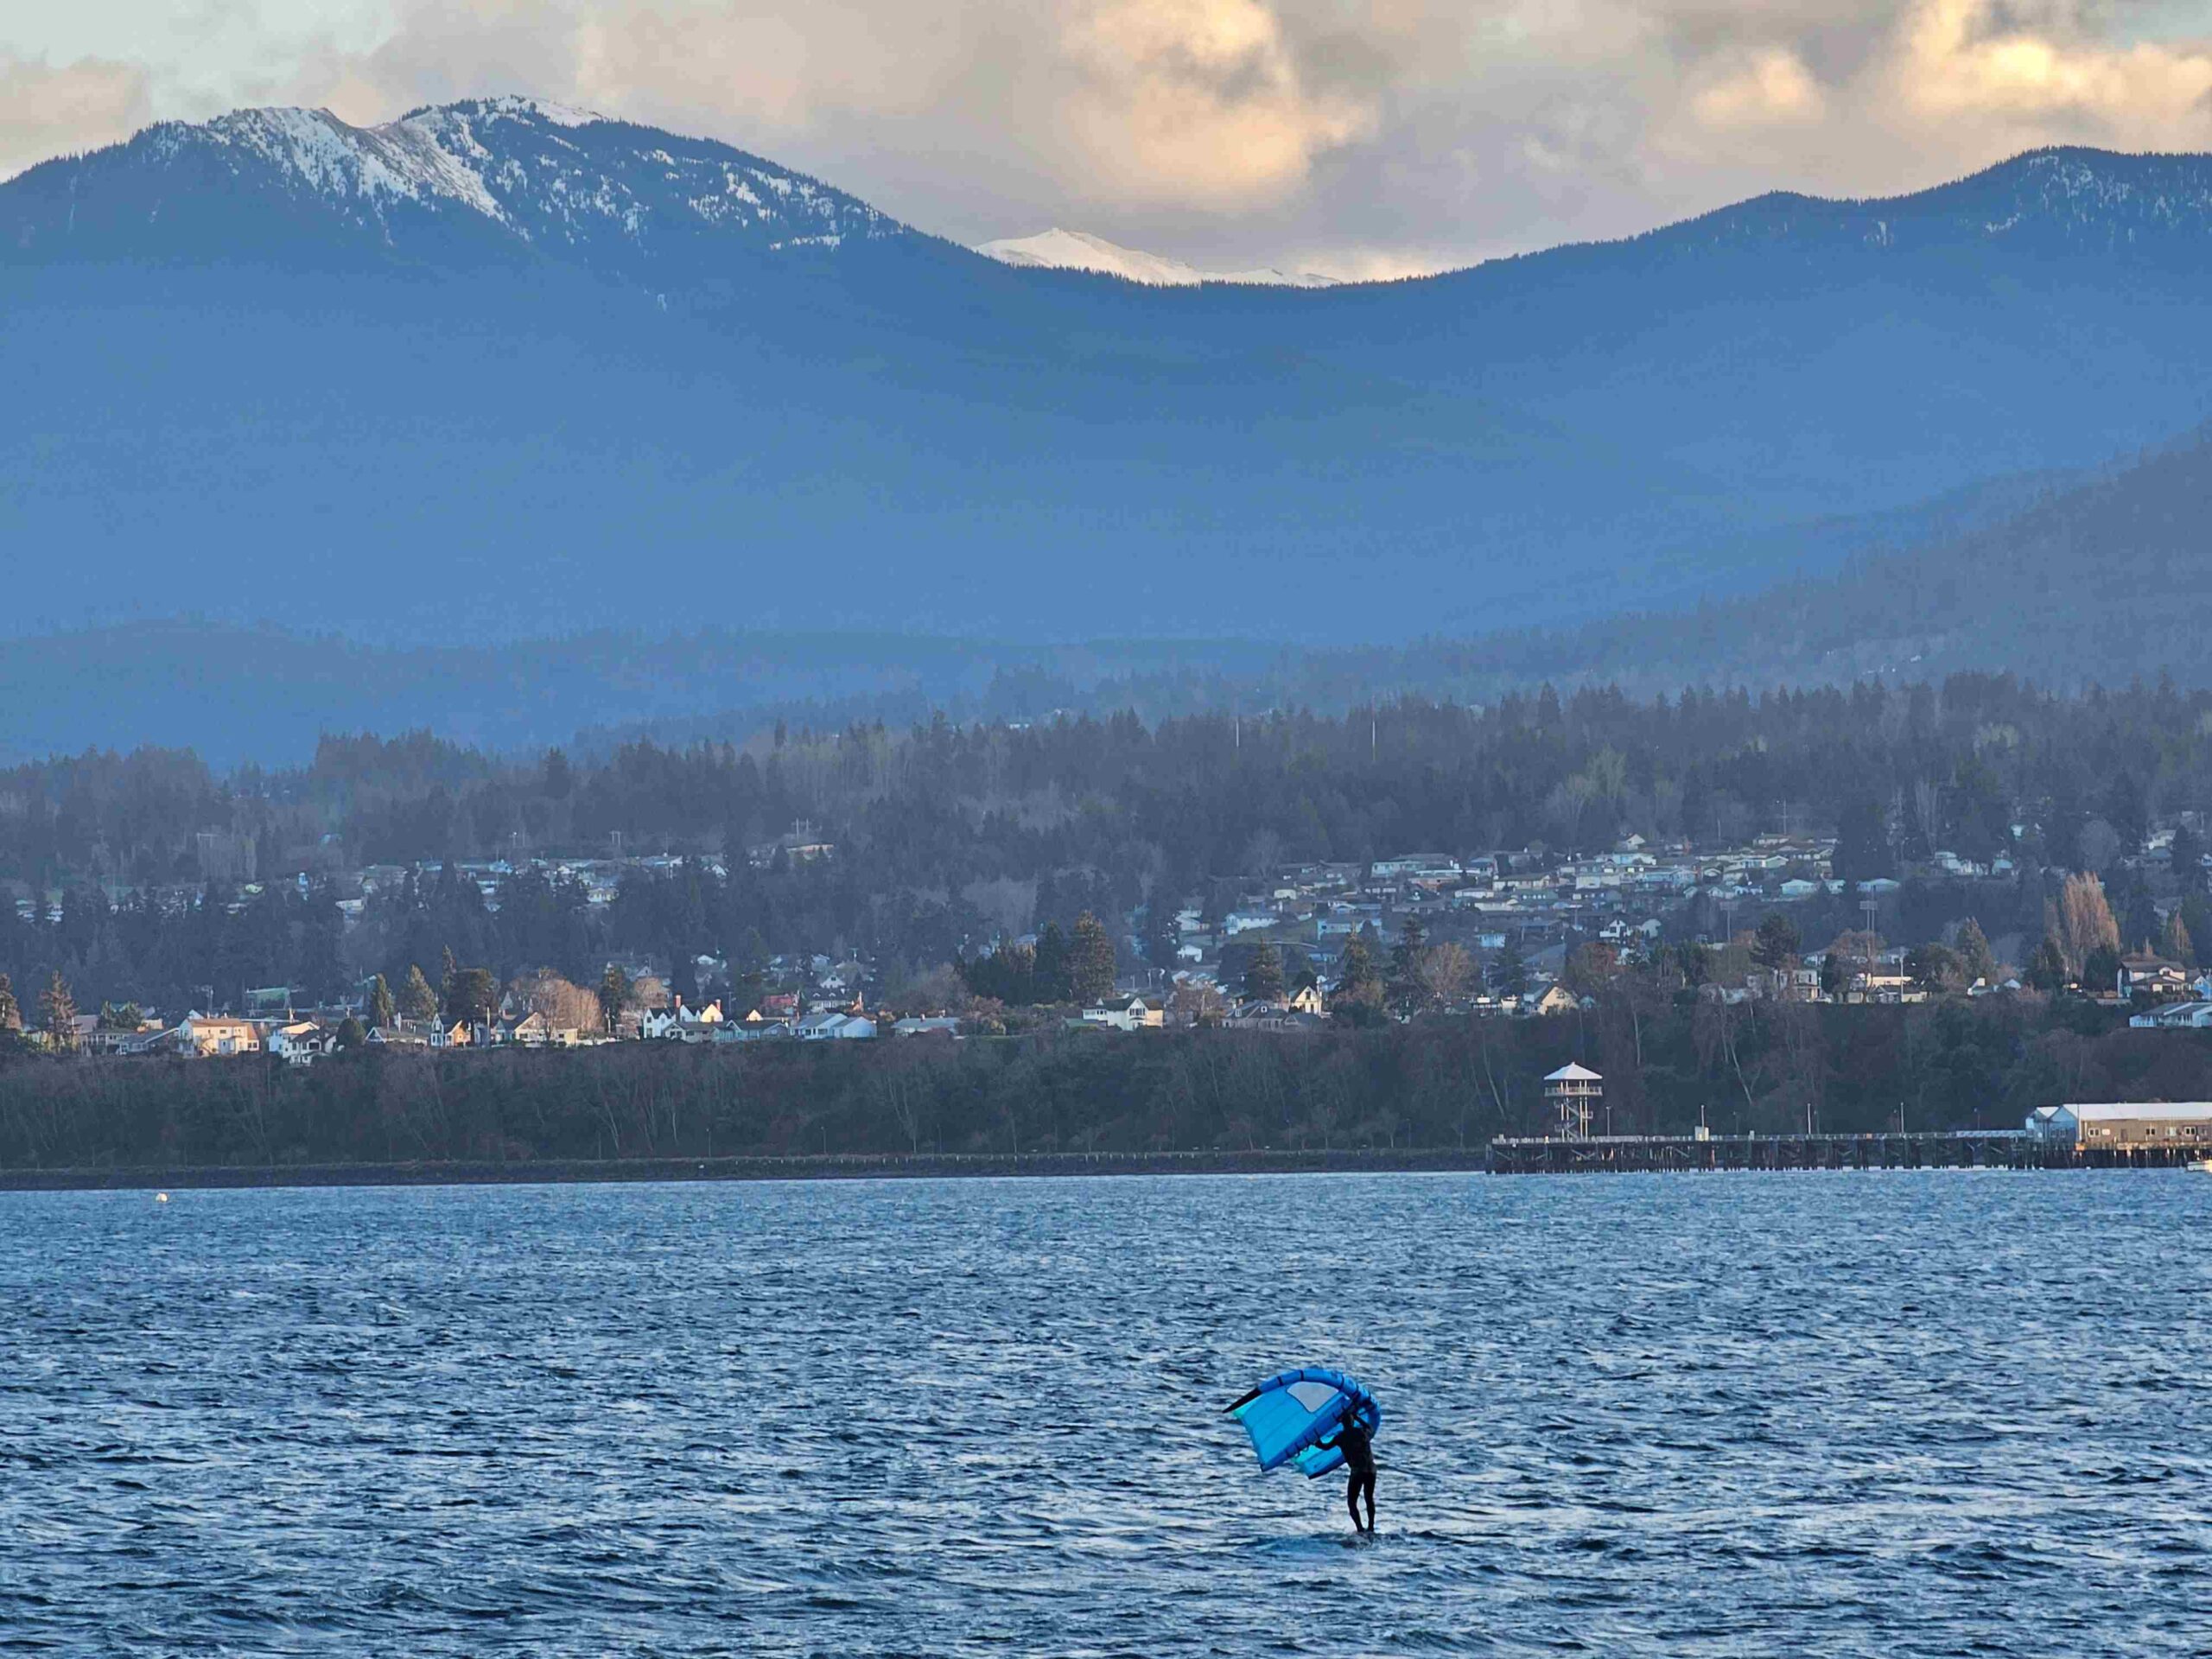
(2125, 1126)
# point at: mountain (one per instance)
(1058, 250)
(2102, 583)
(502, 370)
(504, 176)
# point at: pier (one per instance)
(1951, 1149)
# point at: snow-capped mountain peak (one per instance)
(1059, 250)
(523, 170)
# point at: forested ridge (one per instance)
(946, 836)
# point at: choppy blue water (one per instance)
(1884, 1415)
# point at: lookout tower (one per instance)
(1573, 1092)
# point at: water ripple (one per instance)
(1895, 1414)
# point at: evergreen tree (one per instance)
(1263, 981)
(1832, 975)
(1862, 845)
(2188, 858)
(351, 1033)
(1050, 980)
(752, 953)
(382, 1008)
(1358, 994)
(2046, 969)
(613, 995)
(1090, 961)
(448, 970)
(11, 1016)
(1407, 992)
(475, 996)
(416, 1000)
(2197, 922)
(1508, 969)
(1774, 945)
(2101, 970)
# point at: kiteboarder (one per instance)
(1358, 1447)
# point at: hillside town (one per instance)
(1517, 934)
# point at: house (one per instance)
(206, 1036)
(1271, 1016)
(1799, 984)
(92, 1038)
(1416, 867)
(399, 1036)
(927, 1026)
(832, 1025)
(533, 1030)
(1127, 1013)
(1556, 999)
(1885, 988)
(2175, 1016)
(2145, 976)
(458, 1034)
(302, 1043)
(1307, 998)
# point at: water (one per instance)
(1884, 1415)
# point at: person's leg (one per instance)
(1351, 1497)
(1367, 1482)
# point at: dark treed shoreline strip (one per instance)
(835, 1167)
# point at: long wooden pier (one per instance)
(1951, 1149)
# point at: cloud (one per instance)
(1198, 100)
(1964, 59)
(1771, 87)
(1367, 135)
(49, 109)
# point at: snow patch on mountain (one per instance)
(1059, 250)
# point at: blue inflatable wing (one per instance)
(1291, 1412)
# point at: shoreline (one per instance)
(804, 1166)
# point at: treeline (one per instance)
(136, 869)
(1433, 1083)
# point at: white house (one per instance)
(834, 1025)
(2175, 1016)
(212, 1035)
(1127, 1013)
(302, 1043)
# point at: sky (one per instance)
(1352, 137)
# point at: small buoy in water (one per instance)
(161, 1198)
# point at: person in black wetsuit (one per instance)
(1358, 1447)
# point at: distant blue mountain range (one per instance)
(500, 370)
